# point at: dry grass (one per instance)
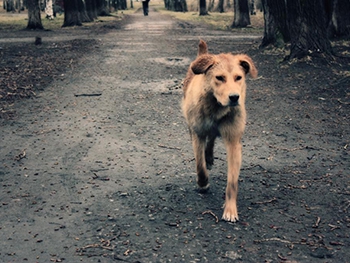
(220, 21)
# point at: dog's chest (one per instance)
(210, 122)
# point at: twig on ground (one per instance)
(275, 239)
(88, 95)
(265, 202)
(211, 213)
(169, 147)
(317, 222)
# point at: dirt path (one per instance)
(108, 172)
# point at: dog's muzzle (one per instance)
(233, 100)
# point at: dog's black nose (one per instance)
(234, 99)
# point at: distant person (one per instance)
(145, 7)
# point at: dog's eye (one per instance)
(220, 78)
(238, 78)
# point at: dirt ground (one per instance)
(96, 164)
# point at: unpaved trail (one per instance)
(108, 172)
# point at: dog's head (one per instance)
(225, 75)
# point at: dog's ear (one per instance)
(202, 48)
(202, 64)
(248, 65)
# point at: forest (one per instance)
(307, 25)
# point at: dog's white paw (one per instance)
(230, 213)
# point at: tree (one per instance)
(83, 13)
(203, 8)
(49, 9)
(241, 13)
(308, 28)
(176, 5)
(9, 5)
(71, 13)
(34, 19)
(91, 10)
(276, 30)
(220, 6)
(102, 9)
(303, 23)
(338, 17)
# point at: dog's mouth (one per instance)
(233, 104)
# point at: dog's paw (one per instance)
(203, 189)
(230, 213)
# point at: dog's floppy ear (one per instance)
(202, 64)
(248, 65)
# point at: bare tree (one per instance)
(308, 28)
(276, 31)
(220, 7)
(71, 13)
(83, 13)
(91, 10)
(241, 13)
(338, 17)
(203, 8)
(34, 18)
(102, 9)
(176, 5)
(49, 9)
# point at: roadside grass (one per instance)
(216, 20)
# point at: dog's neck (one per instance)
(213, 108)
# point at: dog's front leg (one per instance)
(234, 160)
(199, 154)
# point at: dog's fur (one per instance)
(213, 104)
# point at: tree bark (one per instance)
(49, 9)
(83, 13)
(241, 13)
(339, 18)
(34, 19)
(71, 13)
(220, 7)
(307, 26)
(203, 8)
(276, 31)
(91, 9)
(102, 9)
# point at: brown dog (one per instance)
(214, 105)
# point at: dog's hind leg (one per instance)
(209, 152)
(234, 160)
(199, 154)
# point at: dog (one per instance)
(213, 105)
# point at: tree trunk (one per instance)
(91, 9)
(71, 13)
(83, 13)
(34, 19)
(102, 8)
(339, 18)
(241, 13)
(180, 6)
(220, 7)
(276, 31)
(203, 8)
(9, 6)
(308, 30)
(49, 9)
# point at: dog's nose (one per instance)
(234, 98)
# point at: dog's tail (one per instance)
(202, 48)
